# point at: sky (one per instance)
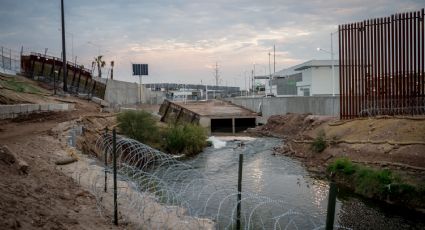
(182, 41)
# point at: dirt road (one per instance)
(45, 198)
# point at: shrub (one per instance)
(185, 138)
(343, 165)
(174, 139)
(370, 182)
(319, 144)
(139, 125)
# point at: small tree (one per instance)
(100, 64)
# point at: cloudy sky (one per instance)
(182, 40)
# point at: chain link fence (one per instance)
(10, 60)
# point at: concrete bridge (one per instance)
(217, 116)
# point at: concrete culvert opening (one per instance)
(221, 125)
(242, 124)
(225, 125)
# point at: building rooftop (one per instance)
(315, 63)
(305, 65)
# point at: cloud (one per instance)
(179, 38)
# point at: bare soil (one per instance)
(45, 198)
(397, 143)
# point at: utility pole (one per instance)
(270, 77)
(274, 59)
(252, 83)
(216, 74)
(65, 73)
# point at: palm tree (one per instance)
(112, 70)
(100, 64)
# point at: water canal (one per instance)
(276, 187)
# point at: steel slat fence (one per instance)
(382, 66)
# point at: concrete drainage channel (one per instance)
(12, 111)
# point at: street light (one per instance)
(332, 60)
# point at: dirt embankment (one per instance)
(385, 141)
(43, 197)
(396, 143)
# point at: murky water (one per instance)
(285, 181)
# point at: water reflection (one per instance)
(287, 183)
(319, 190)
(255, 172)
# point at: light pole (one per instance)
(246, 88)
(332, 60)
(64, 63)
(72, 42)
(270, 76)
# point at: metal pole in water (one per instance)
(238, 211)
(114, 151)
(106, 162)
(331, 206)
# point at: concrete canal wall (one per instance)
(317, 105)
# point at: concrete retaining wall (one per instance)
(318, 105)
(127, 93)
(12, 111)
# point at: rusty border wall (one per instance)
(46, 68)
(382, 66)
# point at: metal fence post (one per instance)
(10, 59)
(330, 216)
(2, 58)
(238, 211)
(106, 162)
(114, 151)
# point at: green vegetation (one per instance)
(319, 144)
(188, 139)
(377, 183)
(139, 125)
(185, 138)
(19, 86)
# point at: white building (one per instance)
(316, 79)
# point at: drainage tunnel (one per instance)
(225, 125)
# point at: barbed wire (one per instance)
(157, 191)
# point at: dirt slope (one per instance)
(45, 198)
(20, 90)
(394, 142)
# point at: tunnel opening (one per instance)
(242, 124)
(221, 125)
(224, 125)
